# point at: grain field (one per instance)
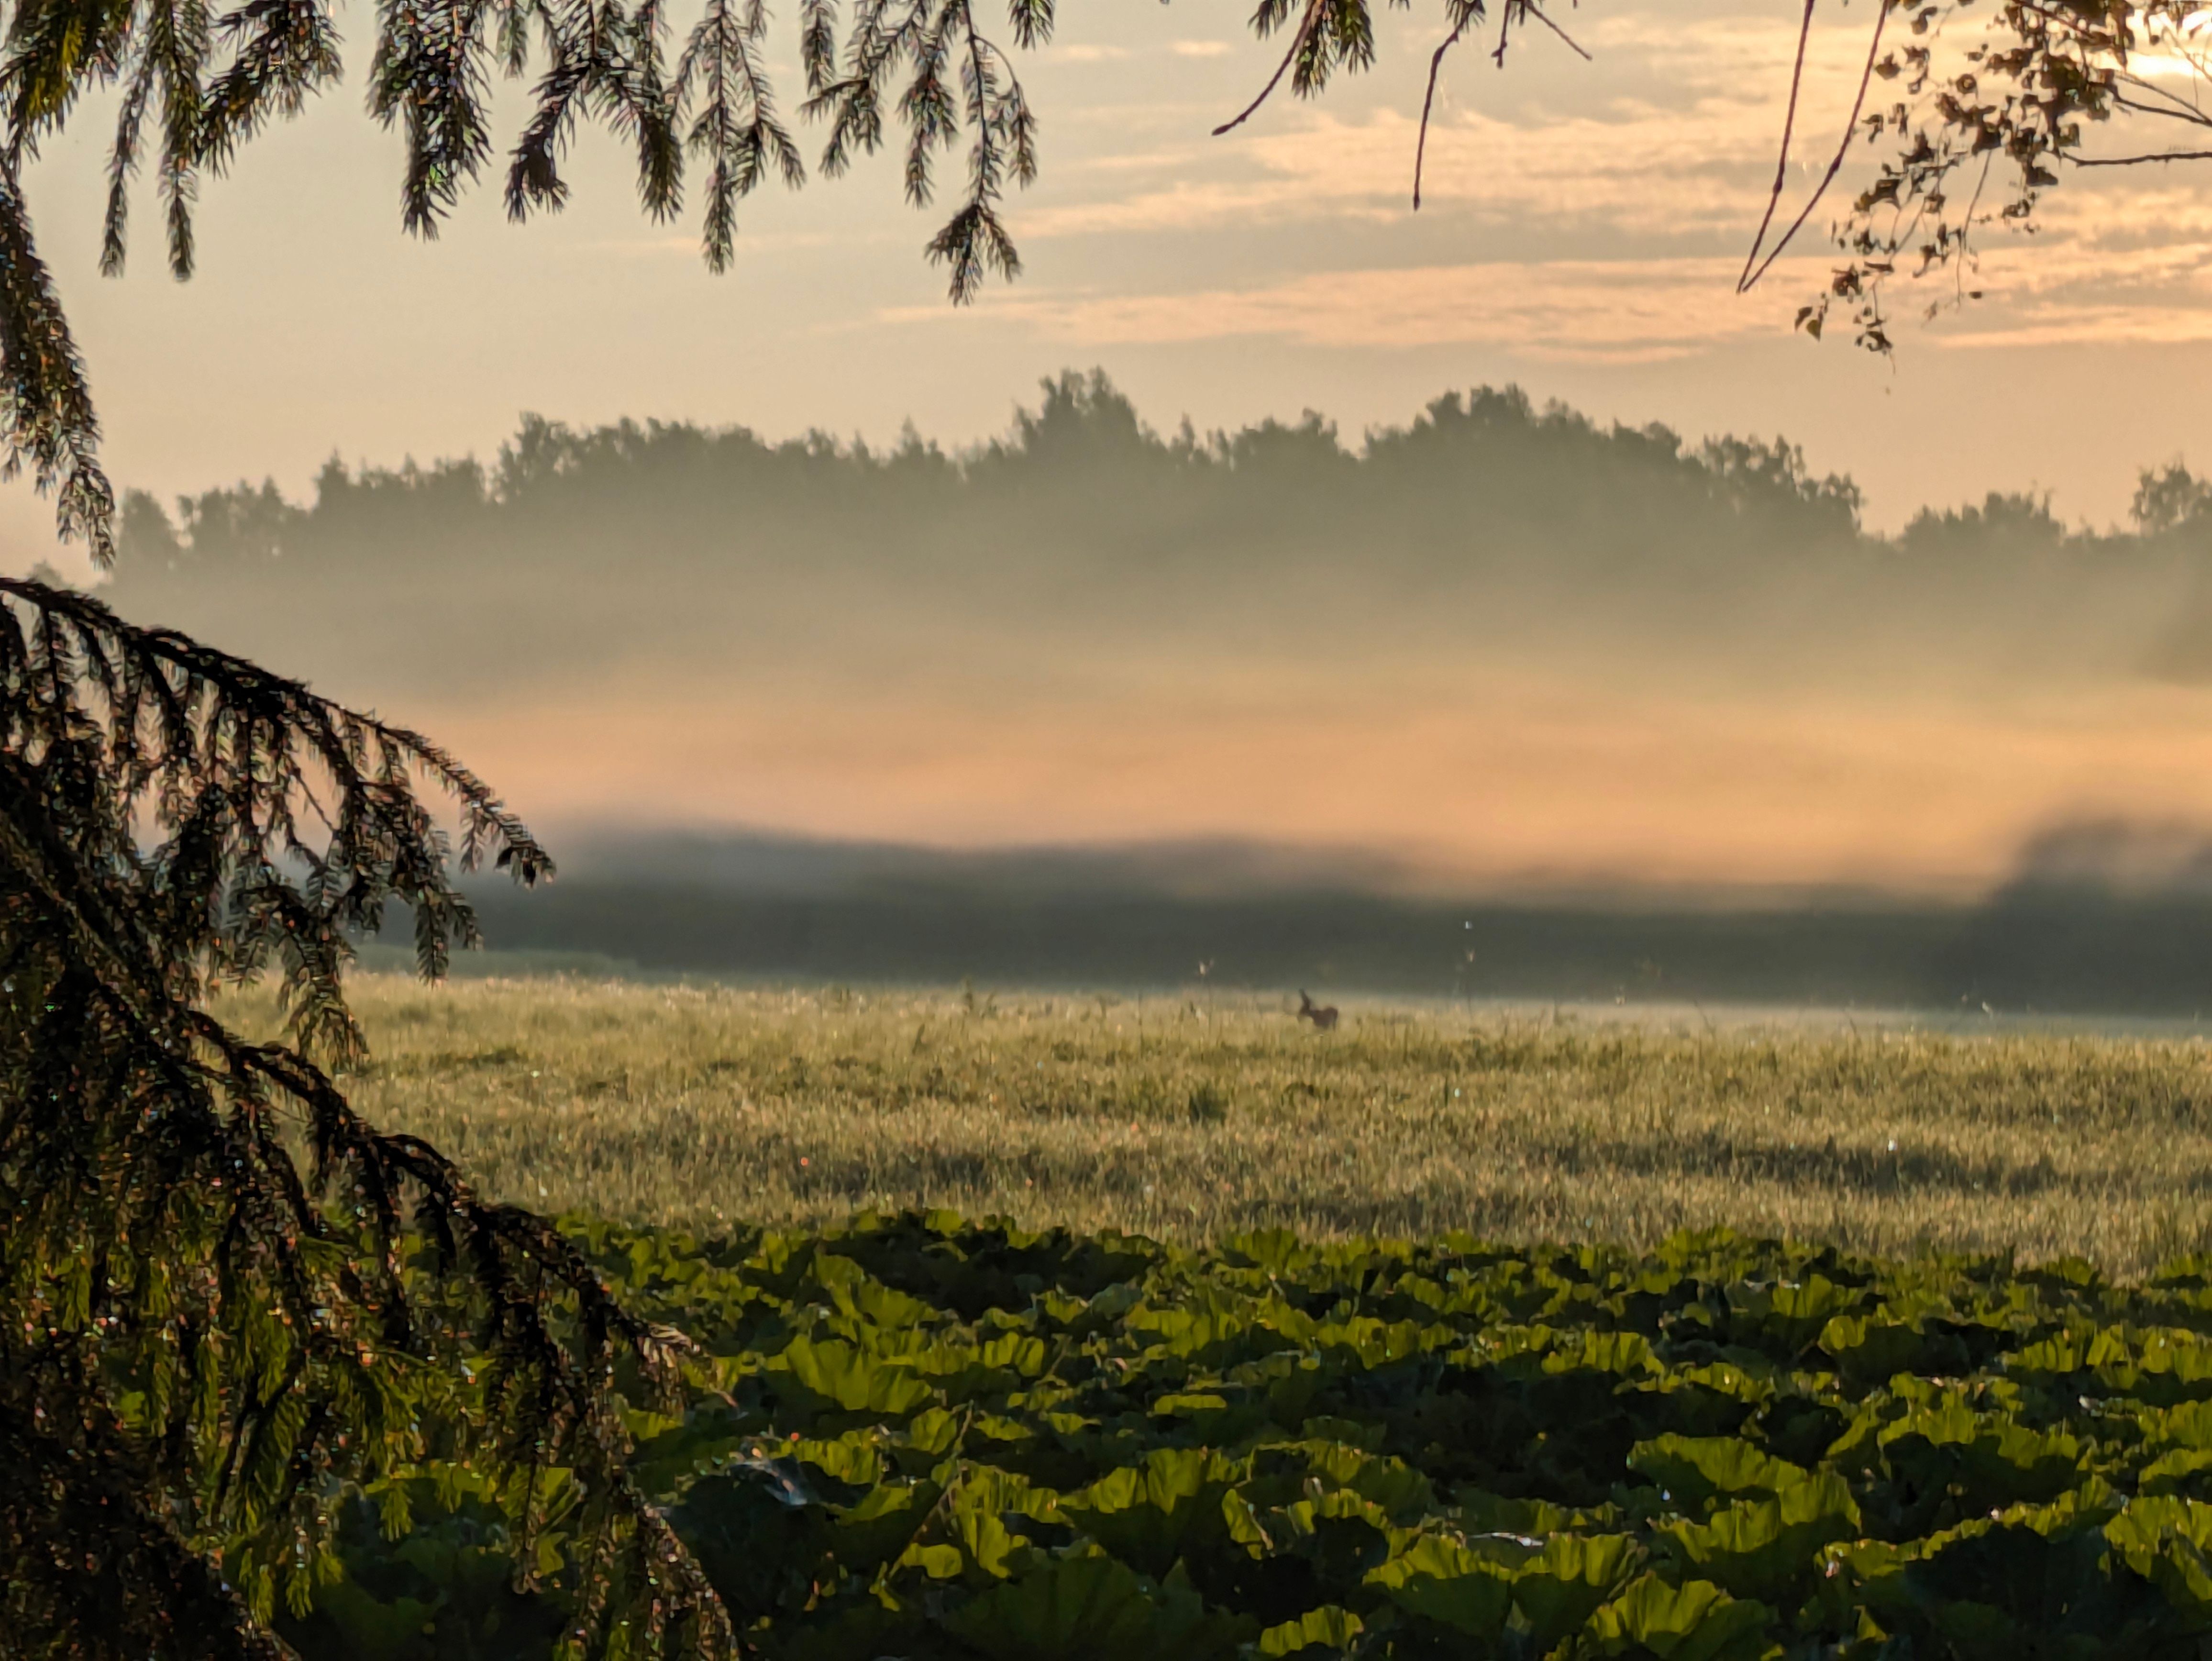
(1192, 1118)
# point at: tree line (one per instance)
(1081, 477)
(1490, 527)
(1490, 475)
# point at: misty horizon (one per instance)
(2090, 858)
(1498, 645)
(2098, 921)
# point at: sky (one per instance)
(1583, 226)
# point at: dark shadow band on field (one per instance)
(2027, 950)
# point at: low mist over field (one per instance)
(1497, 653)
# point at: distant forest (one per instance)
(1081, 481)
(1086, 565)
(1489, 520)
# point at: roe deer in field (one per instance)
(1323, 1016)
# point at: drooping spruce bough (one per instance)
(226, 1297)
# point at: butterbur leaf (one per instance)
(1696, 1622)
(1151, 1514)
(2168, 1541)
(1692, 1471)
(755, 1535)
(1327, 1628)
(1783, 1318)
(1557, 1591)
(2177, 1471)
(1868, 1350)
(834, 1374)
(1441, 1580)
(1765, 1548)
(1075, 1607)
(853, 1459)
(988, 1548)
(938, 1562)
(1390, 1483)
(2013, 1579)
(2149, 1522)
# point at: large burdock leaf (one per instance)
(1988, 1462)
(758, 1531)
(1151, 1514)
(2168, 1541)
(1868, 1350)
(1443, 1581)
(2187, 1427)
(834, 1374)
(2174, 1367)
(2040, 1581)
(1692, 1471)
(1390, 1483)
(876, 1528)
(1783, 1319)
(1767, 1547)
(1327, 1628)
(1087, 1607)
(1066, 1608)
(860, 1296)
(1560, 1588)
(1698, 1621)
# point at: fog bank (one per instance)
(1498, 650)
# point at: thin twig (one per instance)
(2137, 161)
(1782, 163)
(2183, 110)
(1437, 64)
(1544, 17)
(1835, 166)
(1297, 45)
(1428, 102)
(1967, 231)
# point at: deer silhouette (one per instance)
(1323, 1016)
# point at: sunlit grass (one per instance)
(1190, 1120)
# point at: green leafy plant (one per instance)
(920, 1436)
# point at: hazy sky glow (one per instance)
(1582, 226)
(1496, 784)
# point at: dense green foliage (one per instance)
(923, 1438)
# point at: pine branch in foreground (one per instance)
(228, 1301)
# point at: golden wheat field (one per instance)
(1192, 1118)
